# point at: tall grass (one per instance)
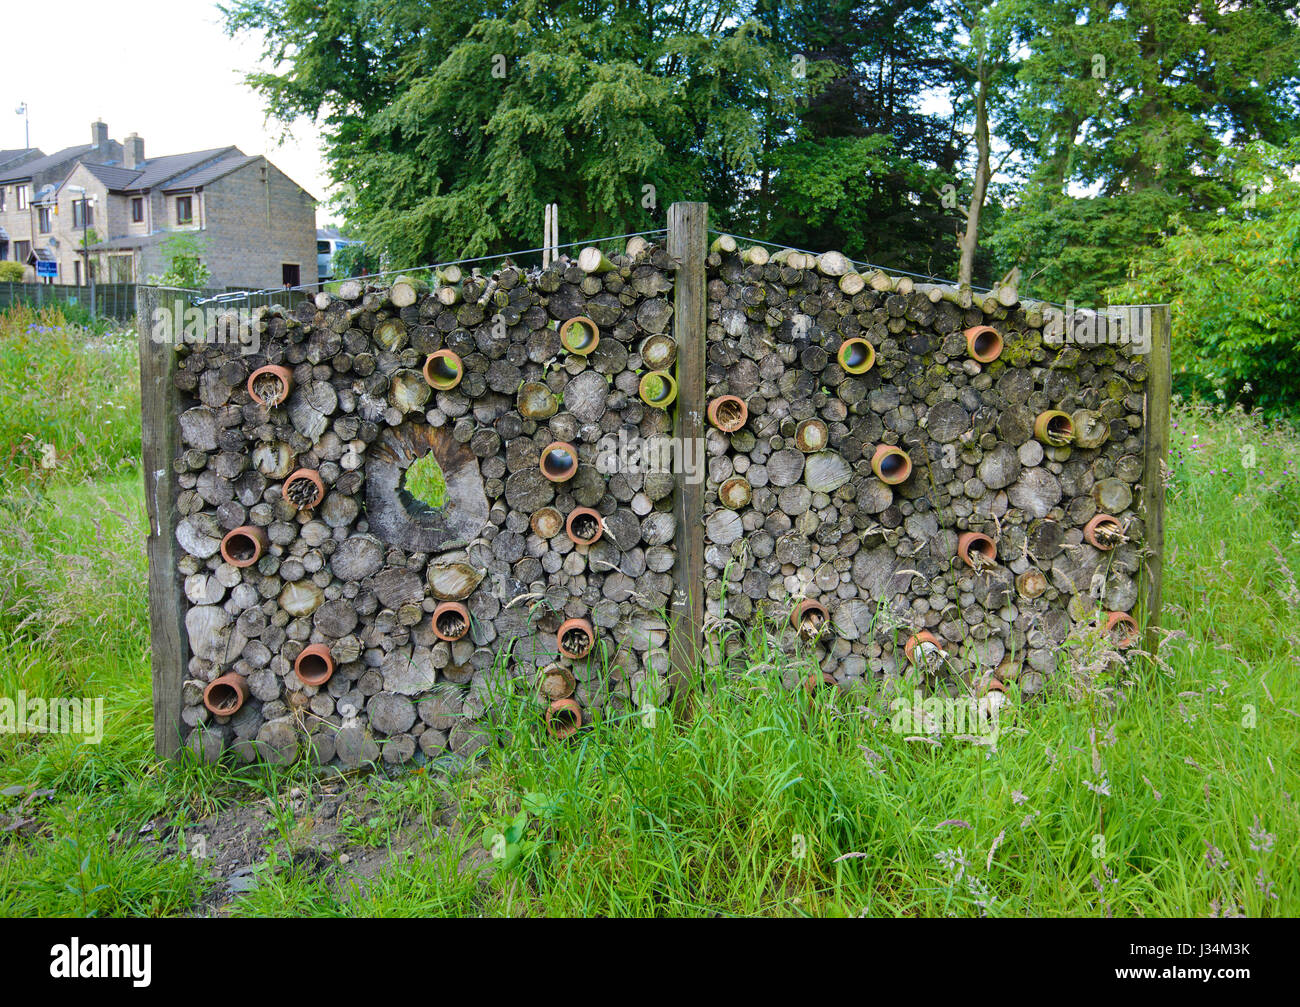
(1169, 795)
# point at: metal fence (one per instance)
(118, 300)
(112, 300)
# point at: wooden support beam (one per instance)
(688, 247)
(160, 422)
(1156, 318)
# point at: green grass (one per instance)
(1172, 795)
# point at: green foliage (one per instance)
(424, 481)
(353, 260)
(185, 268)
(1122, 118)
(1233, 281)
(12, 272)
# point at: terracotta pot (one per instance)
(658, 389)
(556, 682)
(811, 436)
(559, 462)
(580, 335)
(988, 683)
(303, 489)
(979, 543)
(546, 523)
(1054, 428)
(225, 696)
(270, 385)
(892, 465)
(925, 636)
(728, 413)
(1117, 619)
(575, 638)
(315, 665)
(1102, 523)
(810, 618)
(563, 718)
(244, 546)
(983, 343)
(450, 621)
(443, 370)
(818, 680)
(856, 355)
(584, 526)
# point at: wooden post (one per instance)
(1155, 450)
(688, 245)
(160, 421)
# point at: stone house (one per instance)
(248, 222)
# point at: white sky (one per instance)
(160, 68)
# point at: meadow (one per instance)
(1168, 790)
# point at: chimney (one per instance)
(132, 151)
(99, 134)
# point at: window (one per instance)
(83, 213)
(322, 247)
(184, 209)
(3, 190)
(137, 210)
(121, 269)
(43, 219)
(22, 249)
(20, 196)
(78, 273)
(289, 274)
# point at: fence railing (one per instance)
(118, 300)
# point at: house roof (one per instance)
(209, 172)
(32, 168)
(12, 155)
(131, 241)
(41, 255)
(113, 176)
(158, 170)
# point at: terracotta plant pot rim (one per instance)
(808, 605)
(438, 383)
(973, 335)
(890, 450)
(568, 625)
(733, 425)
(817, 680)
(442, 609)
(558, 729)
(576, 320)
(568, 449)
(312, 476)
(314, 650)
(232, 680)
(1044, 421)
(977, 540)
(925, 636)
(1090, 530)
(579, 512)
(1114, 619)
(283, 373)
(251, 533)
(668, 399)
(847, 346)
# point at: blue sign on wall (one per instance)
(47, 269)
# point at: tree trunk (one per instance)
(971, 237)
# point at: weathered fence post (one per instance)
(160, 416)
(1156, 449)
(688, 244)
